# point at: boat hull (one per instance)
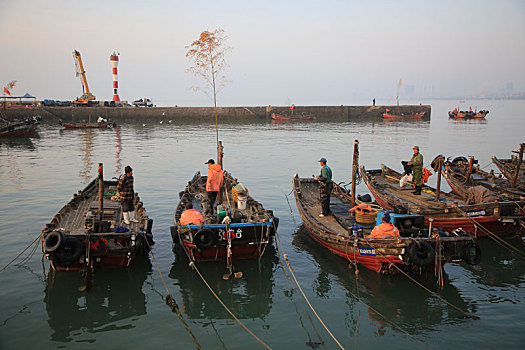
(387, 115)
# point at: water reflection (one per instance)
(394, 296)
(87, 149)
(23, 143)
(247, 297)
(118, 163)
(468, 121)
(116, 295)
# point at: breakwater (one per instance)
(207, 115)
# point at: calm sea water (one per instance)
(126, 306)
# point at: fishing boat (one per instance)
(449, 212)
(508, 166)
(389, 115)
(455, 114)
(291, 118)
(463, 176)
(88, 125)
(89, 231)
(14, 129)
(340, 233)
(238, 228)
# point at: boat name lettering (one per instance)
(476, 213)
(367, 251)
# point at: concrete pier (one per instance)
(201, 115)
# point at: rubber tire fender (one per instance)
(469, 259)
(205, 238)
(71, 251)
(54, 241)
(421, 253)
(175, 235)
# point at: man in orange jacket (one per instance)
(214, 181)
(191, 216)
(384, 229)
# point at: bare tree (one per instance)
(207, 54)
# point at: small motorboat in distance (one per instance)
(455, 114)
(389, 115)
(292, 118)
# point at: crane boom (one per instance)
(86, 94)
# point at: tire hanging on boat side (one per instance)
(421, 253)
(70, 251)
(54, 241)
(472, 259)
(205, 238)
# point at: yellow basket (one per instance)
(363, 217)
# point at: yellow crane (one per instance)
(80, 72)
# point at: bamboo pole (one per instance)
(100, 193)
(438, 186)
(354, 169)
(469, 171)
(520, 159)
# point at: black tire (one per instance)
(175, 235)
(472, 248)
(421, 253)
(149, 226)
(141, 246)
(71, 251)
(53, 241)
(205, 238)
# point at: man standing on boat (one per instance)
(325, 179)
(213, 181)
(417, 169)
(385, 229)
(127, 194)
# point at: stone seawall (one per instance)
(206, 114)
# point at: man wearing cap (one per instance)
(385, 229)
(417, 169)
(214, 181)
(325, 179)
(127, 195)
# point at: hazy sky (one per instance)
(303, 52)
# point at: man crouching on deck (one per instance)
(385, 229)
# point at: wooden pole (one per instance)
(469, 171)
(220, 153)
(438, 187)
(101, 191)
(354, 169)
(520, 159)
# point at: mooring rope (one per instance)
(22, 252)
(285, 256)
(194, 266)
(490, 234)
(422, 286)
(293, 288)
(170, 301)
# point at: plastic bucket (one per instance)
(241, 201)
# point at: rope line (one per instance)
(171, 302)
(285, 256)
(490, 234)
(22, 252)
(293, 288)
(194, 266)
(422, 286)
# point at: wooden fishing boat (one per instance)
(467, 114)
(456, 171)
(291, 118)
(508, 166)
(244, 235)
(449, 212)
(89, 232)
(14, 129)
(88, 125)
(390, 115)
(342, 235)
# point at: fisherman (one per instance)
(362, 207)
(191, 216)
(127, 194)
(214, 181)
(417, 169)
(325, 179)
(385, 229)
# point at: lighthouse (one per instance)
(114, 63)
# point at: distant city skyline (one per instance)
(301, 52)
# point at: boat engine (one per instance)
(409, 225)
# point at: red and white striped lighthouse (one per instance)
(114, 63)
